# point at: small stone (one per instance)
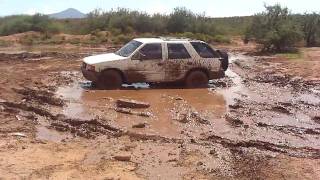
(199, 163)
(122, 157)
(18, 134)
(129, 103)
(108, 98)
(18, 118)
(213, 152)
(233, 120)
(139, 125)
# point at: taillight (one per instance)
(90, 67)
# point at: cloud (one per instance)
(158, 7)
(43, 10)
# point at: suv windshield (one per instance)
(128, 49)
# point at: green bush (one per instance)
(221, 39)
(122, 39)
(23, 23)
(275, 29)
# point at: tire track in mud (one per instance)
(95, 127)
(266, 146)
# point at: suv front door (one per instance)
(146, 64)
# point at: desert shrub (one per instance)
(29, 39)
(75, 41)
(122, 39)
(275, 29)
(222, 39)
(23, 23)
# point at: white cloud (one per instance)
(44, 10)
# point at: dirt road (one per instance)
(260, 122)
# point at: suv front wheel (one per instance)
(109, 79)
(196, 79)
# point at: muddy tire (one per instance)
(110, 79)
(196, 79)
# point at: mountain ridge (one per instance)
(69, 13)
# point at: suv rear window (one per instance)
(177, 51)
(204, 50)
(151, 51)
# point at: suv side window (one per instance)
(177, 51)
(204, 50)
(151, 51)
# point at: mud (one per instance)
(259, 122)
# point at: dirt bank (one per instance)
(260, 122)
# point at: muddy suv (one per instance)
(156, 60)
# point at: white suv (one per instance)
(156, 60)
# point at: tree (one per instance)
(311, 28)
(274, 29)
(179, 20)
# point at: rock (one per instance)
(18, 118)
(108, 98)
(123, 157)
(199, 118)
(281, 109)
(123, 110)
(183, 118)
(128, 103)
(2, 100)
(179, 98)
(316, 119)
(140, 125)
(172, 160)
(130, 111)
(235, 106)
(233, 120)
(213, 152)
(18, 134)
(144, 114)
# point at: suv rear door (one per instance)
(146, 65)
(178, 61)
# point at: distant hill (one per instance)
(68, 14)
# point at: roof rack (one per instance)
(174, 38)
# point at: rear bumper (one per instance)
(90, 75)
(216, 75)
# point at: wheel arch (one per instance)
(124, 78)
(204, 70)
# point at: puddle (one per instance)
(46, 134)
(84, 102)
(90, 103)
(309, 99)
(237, 89)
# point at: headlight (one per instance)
(90, 67)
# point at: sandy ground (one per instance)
(260, 122)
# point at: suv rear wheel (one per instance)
(196, 79)
(110, 79)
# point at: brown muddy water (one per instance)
(167, 104)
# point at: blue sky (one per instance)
(214, 8)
